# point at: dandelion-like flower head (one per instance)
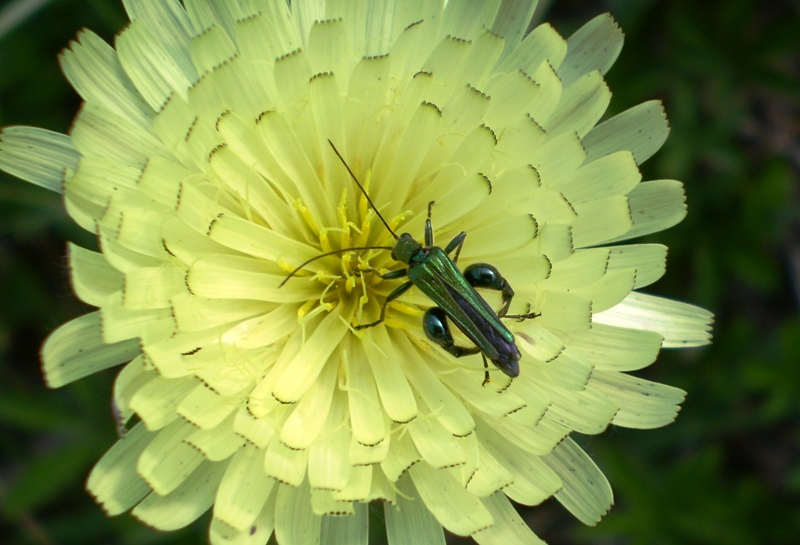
(201, 160)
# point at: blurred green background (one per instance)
(727, 472)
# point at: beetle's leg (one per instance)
(527, 316)
(391, 275)
(483, 275)
(486, 378)
(456, 244)
(397, 292)
(429, 227)
(434, 322)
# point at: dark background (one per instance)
(727, 472)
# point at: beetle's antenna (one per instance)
(372, 204)
(326, 254)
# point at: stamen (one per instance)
(303, 310)
(363, 202)
(307, 216)
(324, 241)
(366, 227)
(364, 299)
(341, 213)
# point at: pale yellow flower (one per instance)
(200, 158)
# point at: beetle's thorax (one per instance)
(406, 248)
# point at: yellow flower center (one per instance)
(352, 277)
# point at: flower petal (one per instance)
(614, 174)
(183, 505)
(587, 411)
(617, 348)
(410, 521)
(216, 444)
(319, 346)
(168, 21)
(113, 481)
(489, 476)
(285, 464)
(449, 409)
(93, 279)
(167, 461)
(395, 392)
(348, 529)
(511, 21)
(38, 156)
(586, 493)
(654, 206)
(77, 349)
(94, 70)
(509, 528)
(100, 133)
(608, 291)
(464, 19)
(220, 533)
(459, 511)
(595, 46)
(682, 325)
(579, 269)
(533, 482)
(359, 484)
(649, 261)
(366, 418)
(542, 45)
(155, 402)
(309, 416)
(324, 503)
(328, 462)
(601, 220)
(437, 446)
(401, 456)
(641, 130)
(206, 408)
(199, 313)
(644, 404)
(509, 95)
(233, 277)
(581, 106)
(244, 489)
(295, 523)
(151, 67)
